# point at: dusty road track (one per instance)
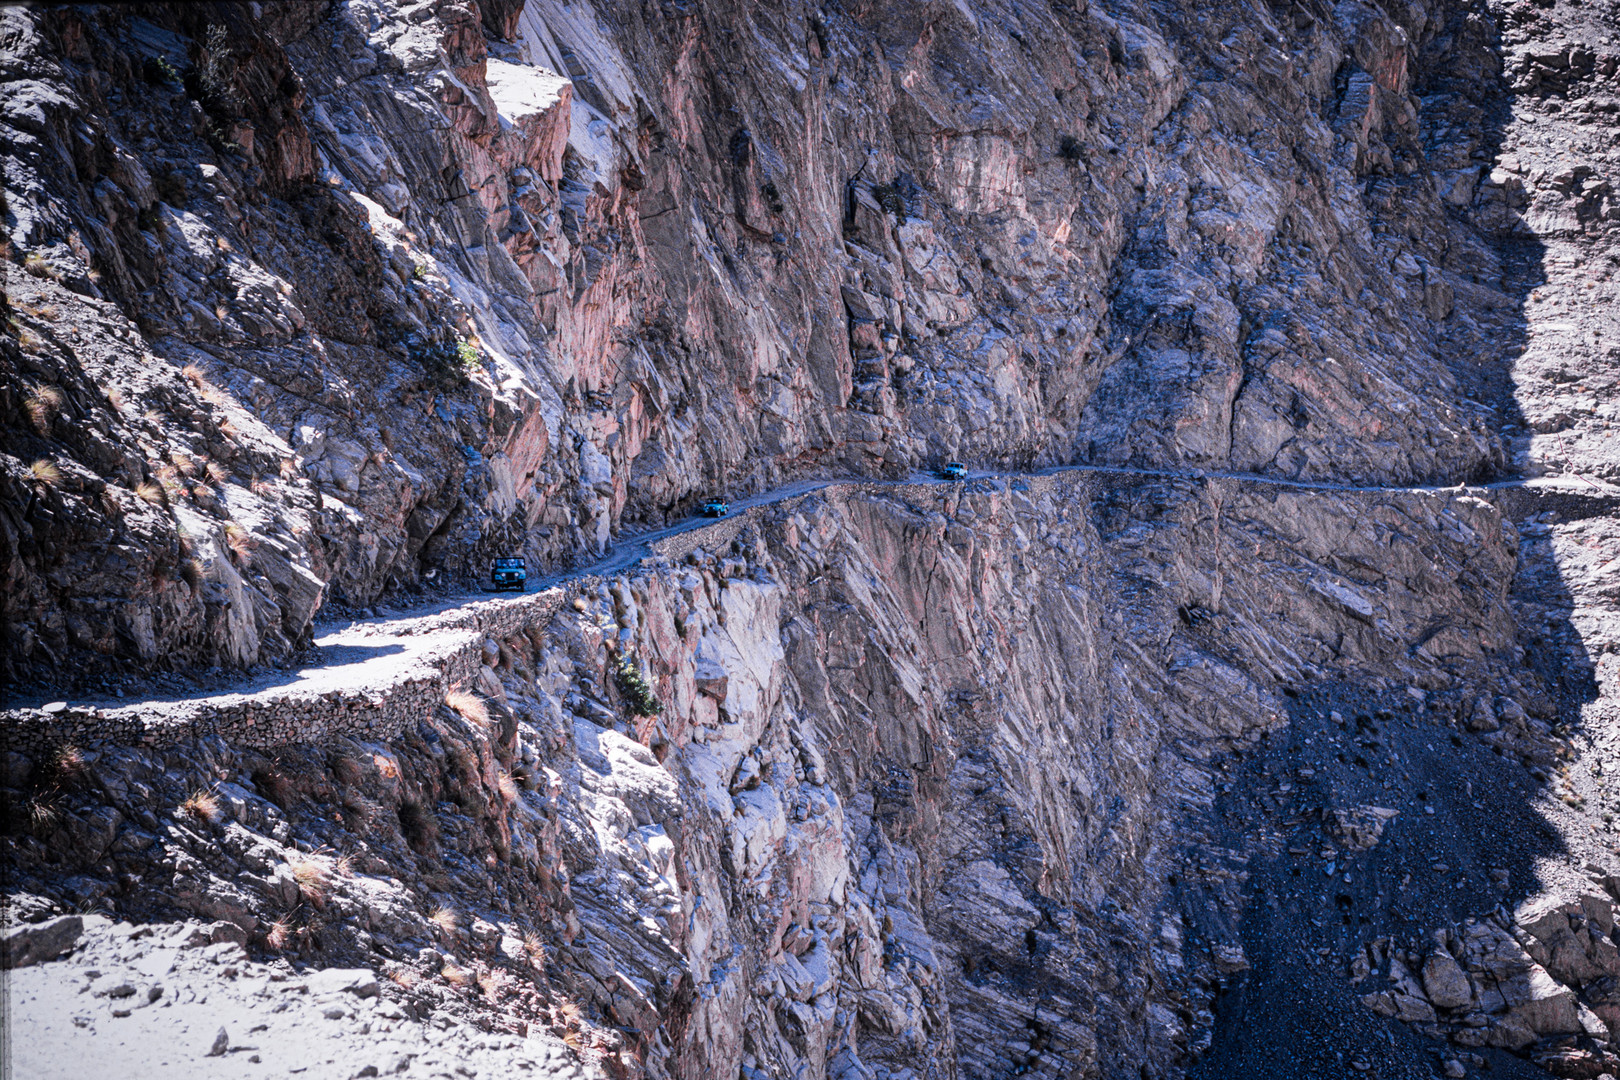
(372, 675)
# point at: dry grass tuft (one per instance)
(460, 978)
(195, 375)
(36, 265)
(119, 403)
(43, 403)
(184, 464)
(148, 492)
(44, 471)
(289, 469)
(534, 947)
(217, 472)
(279, 934)
(228, 428)
(314, 879)
(445, 919)
(507, 787)
(404, 978)
(191, 572)
(470, 706)
(343, 865)
(202, 806)
(240, 540)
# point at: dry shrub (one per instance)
(404, 978)
(241, 542)
(279, 934)
(43, 403)
(195, 375)
(217, 472)
(44, 471)
(419, 826)
(313, 879)
(184, 464)
(445, 919)
(201, 805)
(534, 947)
(507, 786)
(148, 492)
(191, 571)
(470, 706)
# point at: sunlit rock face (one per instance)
(1252, 744)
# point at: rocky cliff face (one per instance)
(1232, 751)
(391, 290)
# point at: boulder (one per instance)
(35, 943)
(361, 982)
(1445, 983)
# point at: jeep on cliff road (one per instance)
(716, 508)
(953, 470)
(507, 574)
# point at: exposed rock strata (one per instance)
(1109, 775)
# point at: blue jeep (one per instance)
(953, 470)
(716, 508)
(508, 574)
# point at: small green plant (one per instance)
(419, 271)
(448, 359)
(637, 694)
(158, 71)
(889, 197)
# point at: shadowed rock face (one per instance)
(1238, 752)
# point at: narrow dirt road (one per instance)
(370, 655)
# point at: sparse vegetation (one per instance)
(241, 542)
(507, 787)
(313, 878)
(37, 265)
(445, 919)
(469, 706)
(44, 471)
(447, 359)
(201, 805)
(149, 492)
(279, 934)
(889, 197)
(419, 826)
(43, 403)
(191, 572)
(638, 696)
(160, 71)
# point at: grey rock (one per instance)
(34, 943)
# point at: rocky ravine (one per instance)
(1091, 774)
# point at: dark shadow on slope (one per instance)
(1476, 823)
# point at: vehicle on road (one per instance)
(716, 508)
(508, 574)
(953, 470)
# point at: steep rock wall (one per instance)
(447, 281)
(918, 795)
